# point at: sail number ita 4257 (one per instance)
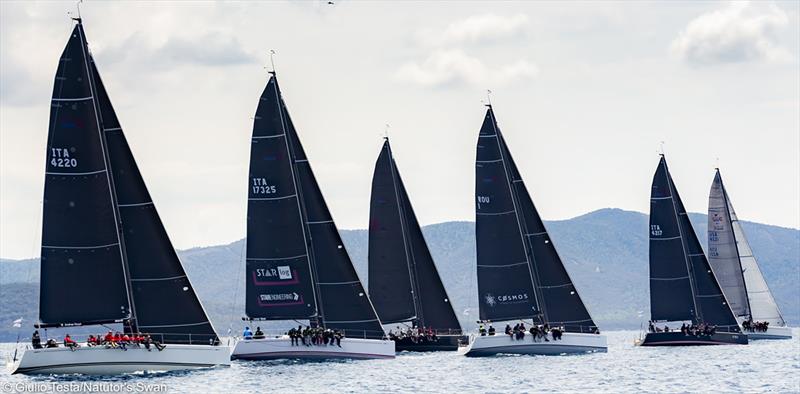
(60, 157)
(655, 230)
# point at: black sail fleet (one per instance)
(105, 255)
(683, 287)
(404, 283)
(520, 274)
(297, 267)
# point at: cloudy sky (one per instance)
(584, 92)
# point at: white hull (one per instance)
(282, 348)
(103, 361)
(771, 333)
(570, 343)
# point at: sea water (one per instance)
(762, 366)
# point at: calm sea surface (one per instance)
(762, 366)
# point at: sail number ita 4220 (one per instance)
(260, 186)
(60, 157)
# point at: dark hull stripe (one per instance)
(306, 354)
(141, 363)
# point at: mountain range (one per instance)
(605, 252)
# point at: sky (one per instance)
(585, 92)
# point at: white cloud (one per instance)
(483, 29)
(210, 49)
(453, 67)
(739, 32)
(448, 64)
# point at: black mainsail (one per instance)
(310, 275)
(730, 255)
(682, 283)
(105, 254)
(80, 240)
(403, 281)
(520, 275)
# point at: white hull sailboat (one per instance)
(106, 258)
(739, 274)
(520, 274)
(282, 348)
(297, 267)
(570, 343)
(107, 361)
(771, 333)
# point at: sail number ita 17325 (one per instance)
(260, 186)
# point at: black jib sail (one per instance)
(520, 274)
(81, 258)
(682, 283)
(164, 300)
(403, 281)
(332, 292)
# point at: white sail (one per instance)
(762, 304)
(723, 254)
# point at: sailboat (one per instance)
(297, 267)
(520, 275)
(738, 273)
(105, 256)
(683, 286)
(404, 284)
